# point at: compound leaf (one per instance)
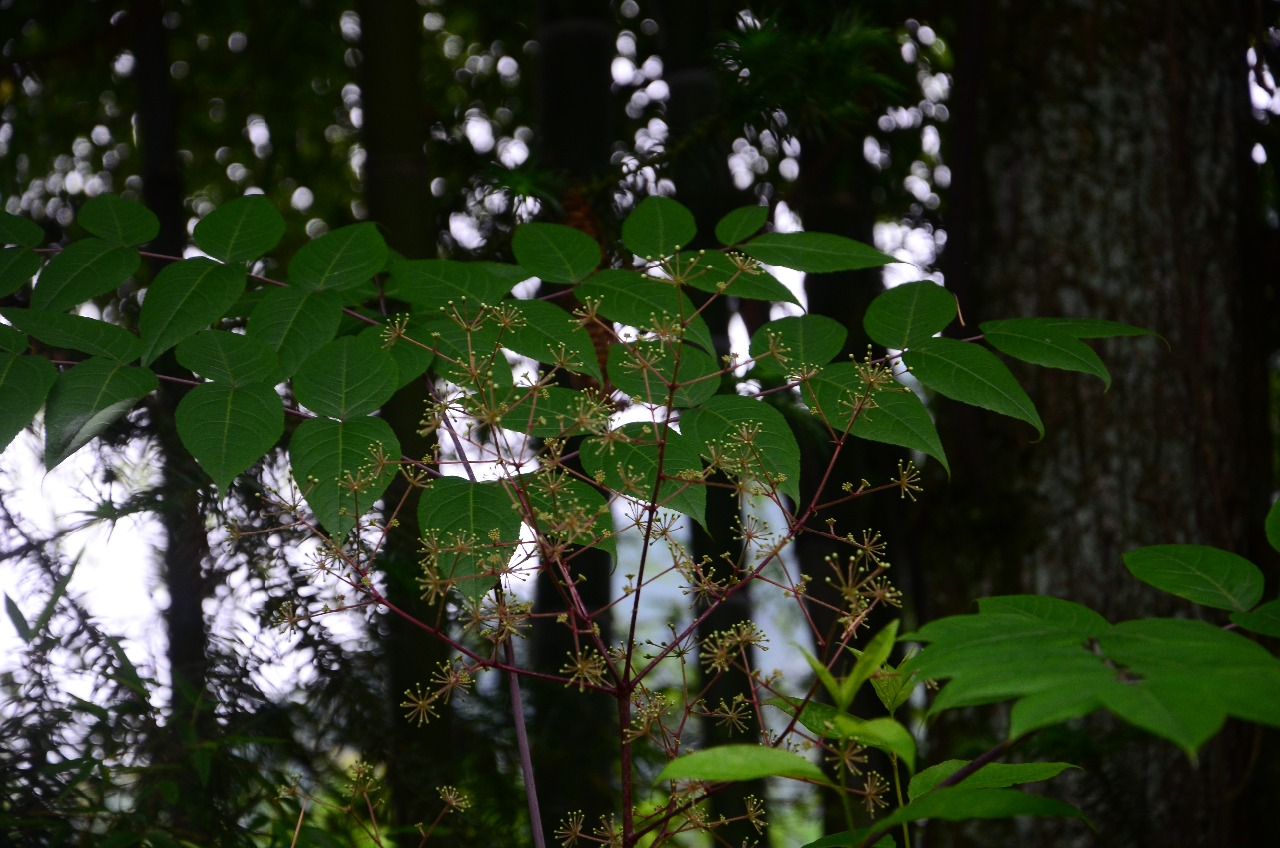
(470, 530)
(1201, 574)
(815, 253)
(241, 230)
(184, 298)
(658, 227)
(231, 358)
(82, 271)
(326, 455)
(971, 374)
(751, 435)
(88, 398)
(348, 377)
(727, 763)
(58, 329)
(24, 383)
(228, 428)
(554, 252)
(119, 221)
(741, 224)
(295, 323)
(340, 259)
(17, 266)
(908, 314)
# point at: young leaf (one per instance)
(295, 323)
(1264, 620)
(990, 776)
(119, 221)
(347, 378)
(628, 463)
(815, 253)
(726, 763)
(340, 259)
(632, 298)
(24, 383)
(81, 271)
(828, 722)
(470, 530)
(429, 284)
(1044, 341)
(647, 370)
(244, 229)
(906, 315)
(17, 266)
(752, 436)
(789, 343)
(1203, 575)
(21, 231)
(327, 455)
(231, 358)
(228, 428)
(184, 298)
(971, 374)
(741, 224)
(87, 399)
(658, 227)
(872, 659)
(94, 337)
(550, 335)
(719, 273)
(554, 252)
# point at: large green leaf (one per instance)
(1203, 575)
(328, 456)
(553, 336)
(908, 314)
(94, 337)
(348, 377)
(564, 507)
(24, 383)
(629, 297)
(971, 374)
(184, 298)
(1047, 342)
(741, 224)
(658, 227)
(23, 232)
(871, 659)
(647, 371)
(990, 776)
(470, 531)
(720, 273)
(243, 229)
(231, 358)
(629, 461)
(11, 340)
(554, 252)
(295, 323)
(431, 284)
(790, 343)
(87, 399)
(824, 720)
(411, 351)
(753, 439)
(961, 803)
(82, 271)
(726, 763)
(340, 259)
(17, 266)
(228, 428)
(1264, 619)
(815, 253)
(119, 221)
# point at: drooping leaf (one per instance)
(231, 358)
(873, 657)
(82, 271)
(430, 284)
(658, 227)
(826, 721)
(227, 428)
(119, 221)
(719, 273)
(552, 336)
(971, 374)
(17, 266)
(990, 776)
(815, 253)
(24, 383)
(348, 377)
(726, 763)
(647, 371)
(85, 400)
(564, 507)
(184, 298)
(797, 340)
(1265, 619)
(741, 224)
(23, 232)
(295, 323)
(908, 314)
(340, 259)
(629, 297)
(1203, 575)
(241, 230)
(753, 438)
(554, 252)
(962, 803)
(94, 337)
(1047, 342)
(470, 531)
(629, 463)
(327, 455)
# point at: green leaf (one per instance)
(244, 229)
(1272, 526)
(990, 776)
(347, 378)
(295, 323)
(629, 297)
(25, 633)
(184, 298)
(971, 374)
(470, 531)
(873, 657)
(851, 839)
(826, 721)
(718, 273)
(119, 221)
(11, 340)
(24, 383)
(554, 412)
(752, 436)
(1264, 620)
(411, 351)
(228, 428)
(1044, 341)
(628, 462)
(647, 371)
(17, 266)
(815, 253)
(790, 343)
(82, 271)
(1044, 609)
(727, 763)
(87, 399)
(564, 507)
(554, 252)
(1168, 710)
(430, 284)
(1203, 575)
(908, 314)
(94, 337)
(326, 455)
(23, 232)
(340, 259)
(231, 358)
(658, 227)
(894, 687)
(824, 675)
(741, 224)
(1093, 328)
(961, 803)
(552, 336)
